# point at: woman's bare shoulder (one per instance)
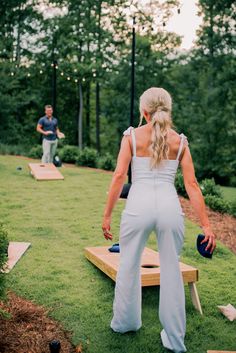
(173, 136)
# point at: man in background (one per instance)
(48, 127)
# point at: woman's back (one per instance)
(143, 142)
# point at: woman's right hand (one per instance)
(210, 237)
(106, 226)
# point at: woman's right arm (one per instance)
(195, 195)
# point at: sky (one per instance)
(186, 23)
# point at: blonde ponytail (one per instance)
(157, 102)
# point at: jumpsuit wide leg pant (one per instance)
(160, 211)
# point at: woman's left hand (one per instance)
(210, 237)
(106, 226)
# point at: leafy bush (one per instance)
(232, 208)
(232, 181)
(179, 184)
(69, 154)
(209, 187)
(217, 203)
(87, 157)
(12, 149)
(106, 162)
(35, 152)
(3, 256)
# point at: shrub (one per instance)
(209, 187)
(232, 208)
(87, 157)
(12, 149)
(106, 162)
(35, 152)
(69, 154)
(179, 184)
(3, 256)
(217, 203)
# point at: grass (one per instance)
(229, 193)
(60, 218)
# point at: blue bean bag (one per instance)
(115, 248)
(202, 247)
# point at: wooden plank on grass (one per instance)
(15, 251)
(221, 351)
(108, 262)
(46, 171)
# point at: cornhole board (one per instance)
(108, 262)
(46, 171)
(15, 251)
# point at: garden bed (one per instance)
(224, 226)
(27, 328)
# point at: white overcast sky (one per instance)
(186, 23)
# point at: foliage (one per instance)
(35, 152)
(106, 162)
(209, 187)
(217, 203)
(69, 154)
(90, 44)
(12, 149)
(3, 256)
(232, 208)
(179, 184)
(87, 157)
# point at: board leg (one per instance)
(194, 296)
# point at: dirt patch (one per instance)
(29, 329)
(224, 226)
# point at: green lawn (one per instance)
(229, 193)
(60, 218)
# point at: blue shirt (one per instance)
(49, 125)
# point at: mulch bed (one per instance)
(223, 225)
(29, 329)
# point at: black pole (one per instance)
(132, 76)
(132, 87)
(126, 187)
(98, 116)
(54, 76)
(54, 88)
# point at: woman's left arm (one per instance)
(117, 183)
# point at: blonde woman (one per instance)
(155, 151)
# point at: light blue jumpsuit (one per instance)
(152, 205)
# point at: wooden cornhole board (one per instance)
(46, 171)
(15, 251)
(108, 262)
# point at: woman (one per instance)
(155, 150)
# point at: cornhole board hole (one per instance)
(46, 171)
(15, 251)
(108, 262)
